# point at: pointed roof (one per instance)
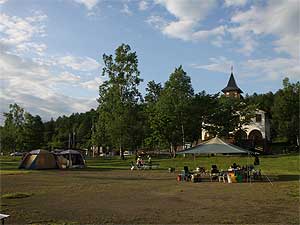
(231, 86)
(215, 146)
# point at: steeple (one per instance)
(232, 90)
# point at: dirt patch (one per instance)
(144, 197)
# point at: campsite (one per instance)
(108, 191)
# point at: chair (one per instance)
(222, 177)
(214, 172)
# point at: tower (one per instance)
(232, 90)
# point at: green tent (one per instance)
(215, 146)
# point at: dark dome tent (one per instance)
(38, 160)
(74, 158)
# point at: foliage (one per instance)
(285, 111)
(169, 116)
(118, 101)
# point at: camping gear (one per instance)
(39, 159)
(74, 159)
(196, 178)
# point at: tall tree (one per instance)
(33, 132)
(172, 109)
(119, 97)
(13, 131)
(286, 111)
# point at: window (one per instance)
(258, 118)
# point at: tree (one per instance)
(118, 98)
(230, 115)
(12, 133)
(152, 131)
(285, 111)
(172, 109)
(33, 132)
(202, 107)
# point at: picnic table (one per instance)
(145, 167)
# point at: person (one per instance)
(132, 165)
(234, 166)
(256, 161)
(149, 161)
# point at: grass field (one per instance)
(107, 192)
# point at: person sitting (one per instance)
(256, 161)
(234, 166)
(214, 169)
(186, 173)
(214, 172)
(139, 163)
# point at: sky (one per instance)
(51, 50)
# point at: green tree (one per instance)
(118, 98)
(230, 115)
(152, 131)
(285, 111)
(33, 132)
(172, 109)
(13, 130)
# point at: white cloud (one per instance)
(272, 69)
(68, 77)
(220, 64)
(18, 32)
(35, 87)
(279, 19)
(126, 10)
(235, 3)
(3, 1)
(78, 63)
(263, 69)
(89, 4)
(157, 22)
(189, 14)
(92, 84)
(143, 5)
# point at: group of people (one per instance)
(140, 162)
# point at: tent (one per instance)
(73, 157)
(215, 146)
(39, 159)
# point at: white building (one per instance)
(258, 130)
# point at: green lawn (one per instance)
(107, 192)
(273, 165)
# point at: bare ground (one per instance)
(144, 197)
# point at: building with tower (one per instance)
(257, 133)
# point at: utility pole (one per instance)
(73, 144)
(183, 141)
(69, 144)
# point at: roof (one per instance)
(214, 146)
(232, 86)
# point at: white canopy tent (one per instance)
(215, 146)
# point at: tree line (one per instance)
(167, 117)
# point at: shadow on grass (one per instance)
(287, 177)
(277, 178)
(127, 178)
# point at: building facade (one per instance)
(257, 132)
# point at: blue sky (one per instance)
(51, 50)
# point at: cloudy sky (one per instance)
(51, 50)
